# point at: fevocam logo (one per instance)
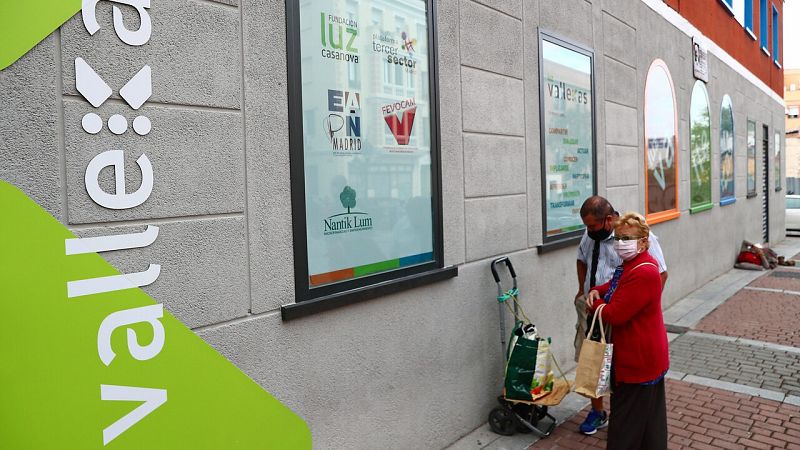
(349, 221)
(342, 125)
(338, 36)
(399, 117)
(398, 51)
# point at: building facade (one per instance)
(332, 179)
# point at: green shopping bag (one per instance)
(528, 375)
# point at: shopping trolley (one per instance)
(519, 415)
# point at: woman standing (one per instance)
(641, 356)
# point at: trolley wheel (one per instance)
(502, 422)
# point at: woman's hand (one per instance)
(593, 295)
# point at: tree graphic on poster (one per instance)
(348, 198)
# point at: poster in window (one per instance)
(726, 155)
(661, 159)
(751, 159)
(700, 149)
(568, 134)
(366, 137)
(778, 165)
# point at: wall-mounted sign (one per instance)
(700, 150)
(660, 133)
(699, 60)
(726, 155)
(112, 368)
(364, 168)
(568, 155)
(23, 24)
(751, 159)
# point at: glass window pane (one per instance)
(568, 156)
(660, 126)
(763, 33)
(726, 154)
(700, 143)
(775, 44)
(368, 192)
(751, 158)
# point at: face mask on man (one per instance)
(627, 250)
(600, 235)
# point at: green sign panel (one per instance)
(24, 23)
(113, 369)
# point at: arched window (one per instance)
(727, 194)
(660, 145)
(700, 150)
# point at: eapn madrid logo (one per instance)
(349, 221)
(343, 123)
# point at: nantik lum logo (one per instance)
(349, 221)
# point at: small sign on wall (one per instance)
(700, 60)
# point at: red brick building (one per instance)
(751, 31)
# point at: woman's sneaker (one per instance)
(594, 421)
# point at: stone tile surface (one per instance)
(757, 315)
(779, 279)
(736, 363)
(700, 417)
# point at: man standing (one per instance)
(598, 260)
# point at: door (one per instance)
(765, 195)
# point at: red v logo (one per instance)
(401, 129)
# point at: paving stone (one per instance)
(699, 355)
(711, 428)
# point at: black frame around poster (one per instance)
(312, 300)
(550, 243)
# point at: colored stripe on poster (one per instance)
(416, 259)
(331, 277)
(367, 269)
(565, 230)
(377, 267)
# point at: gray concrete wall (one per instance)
(419, 368)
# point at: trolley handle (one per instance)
(510, 266)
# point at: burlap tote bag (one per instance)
(593, 374)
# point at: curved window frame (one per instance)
(694, 171)
(727, 199)
(674, 212)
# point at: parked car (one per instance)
(793, 213)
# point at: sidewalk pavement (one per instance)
(734, 380)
